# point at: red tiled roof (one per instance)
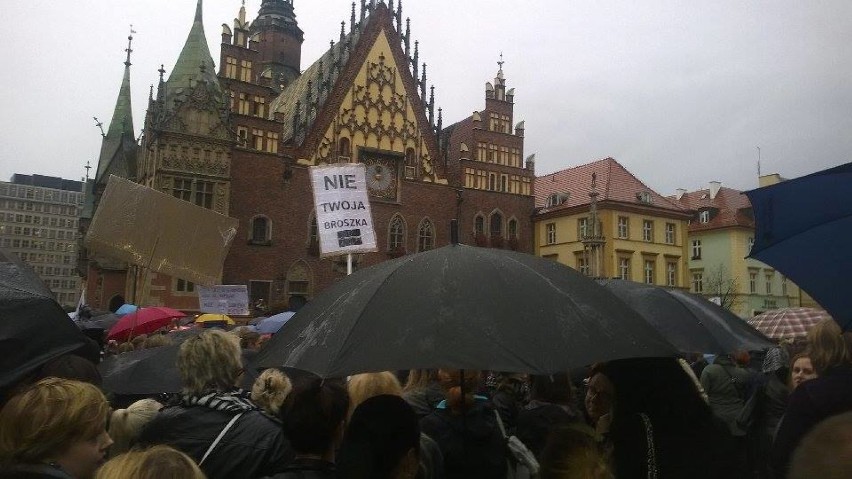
(614, 183)
(729, 208)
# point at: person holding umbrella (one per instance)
(214, 422)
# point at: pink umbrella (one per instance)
(143, 321)
(788, 323)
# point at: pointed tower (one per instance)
(106, 278)
(279, 40)
(118, 148)
(187, 145)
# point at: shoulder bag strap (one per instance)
(219, 437)
(652, 452)
(500, 424)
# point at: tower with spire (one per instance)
(186, 150)
(106, 278)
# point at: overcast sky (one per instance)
(681, 93)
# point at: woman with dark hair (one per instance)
(830, 351)
(465, 428)
(382, 441)
(661, 427)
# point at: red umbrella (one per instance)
(143, 321)
(787, 323)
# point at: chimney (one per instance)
(714, 189)
(680, 193)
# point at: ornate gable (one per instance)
(379, 115)
(199, 113)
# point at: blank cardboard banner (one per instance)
(149, 228)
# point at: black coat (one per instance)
(537, 420)
(255, 446)
(472, 445)
(810, 403)
(303, 468)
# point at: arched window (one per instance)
(425, 236)
(496, 224)
(260, 229)
(313, 235)
(396, 234)
(298, 281)
(343, 148)
(410, 160)
(513, 228)
(479, 225)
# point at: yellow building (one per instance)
(641, 235)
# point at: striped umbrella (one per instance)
(788, 323)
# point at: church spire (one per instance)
(195, 53)
(120, 130)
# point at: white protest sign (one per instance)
(344, 221)
(231, 299)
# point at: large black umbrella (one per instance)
(461, 307)
(33, 327)
(691, 323)
(802, 229)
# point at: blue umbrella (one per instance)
(126, 309)
(803, 228)
(272, 324)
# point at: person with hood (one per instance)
(465, 427)
(213, 421)
(550, 407)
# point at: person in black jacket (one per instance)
(214, 422)
(314, 417)
(550, 406)
(465, 427)
(661, 426)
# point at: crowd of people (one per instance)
(784, 413)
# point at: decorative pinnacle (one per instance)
(162, 71)
(87, 167)
(129, 42)
(501, 62)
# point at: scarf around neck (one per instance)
(231, 401)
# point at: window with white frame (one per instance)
(396, 234)
(550, 233)
(696, 249)
(704, 216)
(623, 227)
(260, 226)
(783, 285)
(769, 277)
(647, 230)
(479, 225)
(583, 264)
(697, 282)
(649, 271)
(752, 282)
(671, 273)
(670, 233)
(624, 268)
(582, 228)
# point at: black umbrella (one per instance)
(461, 307)
(152, 371)
(33, 327)
(691, 323)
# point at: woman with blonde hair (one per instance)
(158, 462)
(364, 386)
(213, 421)
(422, 391)
(829, 394)
(270, 390)
(55, 428)
(125, 425)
